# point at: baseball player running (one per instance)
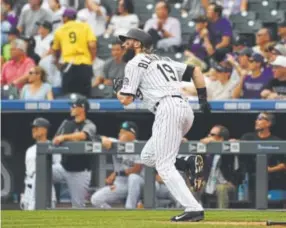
(40, 133)
(75, 169)
(156, 80)
(126, 181)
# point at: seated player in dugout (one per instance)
(126, 182)
(75, 170)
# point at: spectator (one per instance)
(43, 39)
(282, 32)
(77, 44)
(54, 76)
(5, 27)
(8, 7)
(97, 67)
(276, 163)
(276, 88)
(200, 46)
(263, 37)
(219, 89)
(31, 45)
(57, 11)
(231, 7)
(113, 67)
(124, 20)
(194, 8)
(37, 87)
(222, 173)
(126, 181)
(13, 34)
(220, 31)
(16, 70)
(44, 5)
(27, 24)
(165, 30)
(96, 16)
(251, 85)
(238, 44)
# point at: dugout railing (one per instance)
(258, 148)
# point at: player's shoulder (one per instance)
(31, 149)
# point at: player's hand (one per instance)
(58, 139)
(110, 179)
(106, 142)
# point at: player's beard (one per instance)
(128, 55)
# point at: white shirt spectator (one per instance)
(120, 24)
(215, 89)
(97, 67)
(53, 73)
(43, 45)
(57, 17)
(45, 5)
(97, 22)
(172, 25)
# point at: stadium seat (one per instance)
(175, 10)
(112, 4)
(104, 45)
(144, 10)
(243, 17)
(9, 92)
(249, 27)
(261, 6)
(105, 92)
(272, 16)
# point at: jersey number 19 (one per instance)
(167, 72)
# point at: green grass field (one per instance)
(134, 219)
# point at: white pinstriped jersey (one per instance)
(151, 77)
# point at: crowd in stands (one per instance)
(241, 51)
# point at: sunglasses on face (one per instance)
(33, 73)
(213, 134)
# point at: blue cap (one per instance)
(130, 126)
(256, 57)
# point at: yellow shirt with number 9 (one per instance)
(72, 40)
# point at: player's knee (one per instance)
(165, 169)
(96, 200)
(134, 180)
(147, 160)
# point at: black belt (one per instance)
(157, 104)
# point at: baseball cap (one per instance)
(13, 31)
(130, 126)
(79, 101)
(257, 58)
(246, 51)
(222, 67)
(200, 19)
(41, 122)
(46, 24)
(70, 12)
(279, 61)
(280, 48)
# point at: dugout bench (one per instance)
(261, 149)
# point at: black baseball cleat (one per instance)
(192, 216)
(194, 173)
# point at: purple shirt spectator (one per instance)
(252, 87)
(197, 47)
(12, 18)
(218, 29)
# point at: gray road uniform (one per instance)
(125, 187)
